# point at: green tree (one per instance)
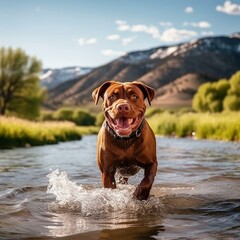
(210, 96)
(20, 90)
(232, 100)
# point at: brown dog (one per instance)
(126, 143)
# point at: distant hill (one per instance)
(51, 78)
(175, 72)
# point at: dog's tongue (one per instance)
(123, 122)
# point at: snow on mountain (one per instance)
(162, 53)
(136, 57)
(193, 47)
(50, 78)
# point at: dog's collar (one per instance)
(133, 135)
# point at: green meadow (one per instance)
(15, 132)
(216, 126)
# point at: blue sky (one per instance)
(64, 33)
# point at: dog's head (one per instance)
(123, 104)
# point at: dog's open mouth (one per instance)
(124, 126)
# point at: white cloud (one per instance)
(120, 22)
(110, 52)
(165, 24)
(152, 30)
(188, 9)
(229, 8)
(122, 25)
(202, 24)
(177, 35)
(126, 41)
(90, 41)
(113, 37)
(169, 35)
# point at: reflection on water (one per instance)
(195, 194)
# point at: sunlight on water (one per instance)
(89, 201)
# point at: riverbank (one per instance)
(15, 132)
(215, 126)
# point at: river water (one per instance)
(55, 192)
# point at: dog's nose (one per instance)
(124, 107)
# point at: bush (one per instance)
(232, 100)
(63, 114)
(218, 96)
(83, 118)
(210, 96)
(47, 116)
(231, 103)
(152, 111)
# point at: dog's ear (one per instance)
(148, 92)
(99, 92)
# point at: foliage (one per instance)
(63, 114)
(83, 118)
(20, 90)
(232, 100)
(210, 96)
(217, 126)
(218, 96)
(78, 116)
(152, 110)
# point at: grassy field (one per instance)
(217, 126)
(16, 132)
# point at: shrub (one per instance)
(210, 96)
(47, 116)
(232, 100)
(83, 118)
(63, 114)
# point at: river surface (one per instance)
(55, 192)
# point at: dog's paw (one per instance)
(141, 193)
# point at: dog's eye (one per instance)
(134, 96)
(112, 97)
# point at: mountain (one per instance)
(51, 78)
(175, 72)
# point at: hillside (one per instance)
(175, 72)
(51, 78)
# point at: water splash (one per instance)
(96, 201)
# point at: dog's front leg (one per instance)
(143, 189)
(108, 179)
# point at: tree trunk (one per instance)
(3, 109)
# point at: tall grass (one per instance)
(217, 126)
(16, 132)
